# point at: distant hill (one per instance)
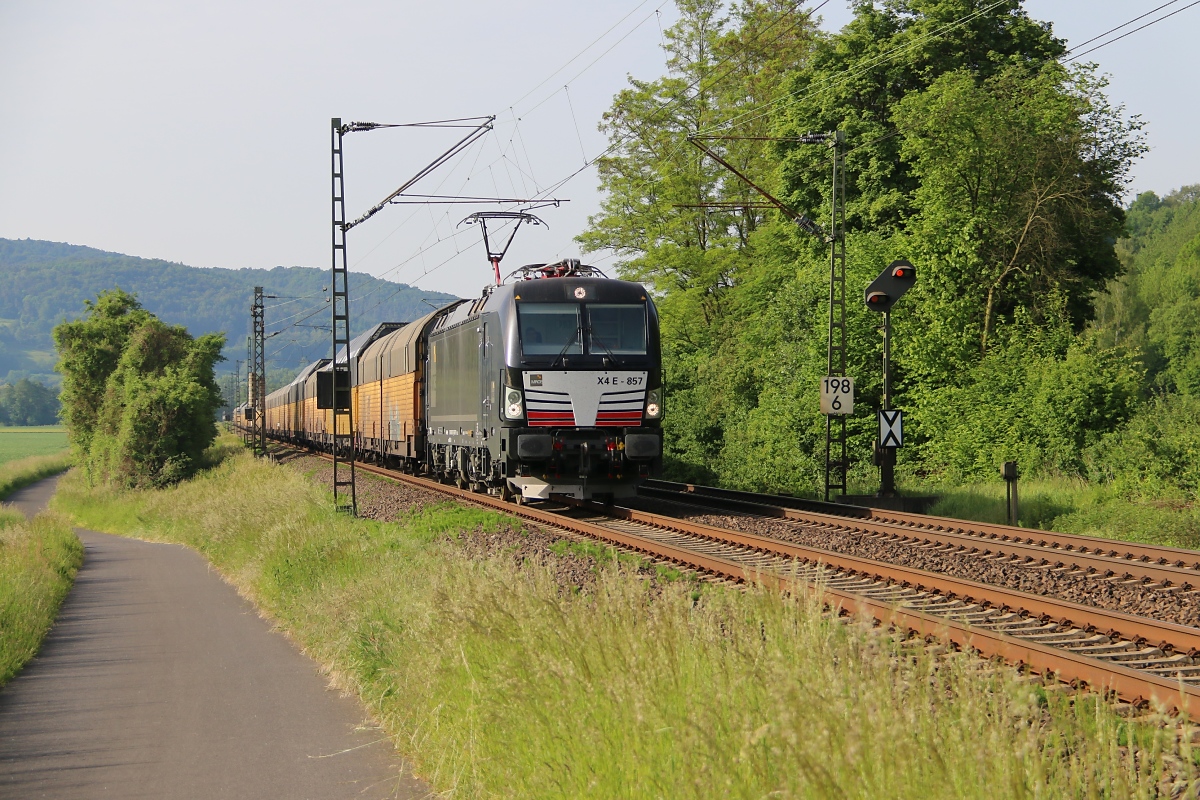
(42, 283)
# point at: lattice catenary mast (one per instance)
(259, 378)
(343, 437)
(836, 459)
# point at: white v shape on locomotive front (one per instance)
(585, 398)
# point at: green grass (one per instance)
(24, 471)
(18, 443)
(1076, 506)
(496, 682)
(38, 562)
(38, 559)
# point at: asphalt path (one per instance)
(159, 681)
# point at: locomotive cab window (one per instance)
(549, 329)
(617, 329)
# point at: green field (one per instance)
(35, 441)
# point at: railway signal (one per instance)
(880, 296)
(890, 286)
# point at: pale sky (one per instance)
(199, 132)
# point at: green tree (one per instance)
(88, 351)
(28, 402)
(154, 415)
(969, 150)
(858, 76)
(1017, 205)
(719, 64)
(653, 180)
(1155, 308)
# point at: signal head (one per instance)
(895, 280)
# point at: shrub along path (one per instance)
(159, 681)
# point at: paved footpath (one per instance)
(159, 681)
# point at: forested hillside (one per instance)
(1047, 324)
(43, 283)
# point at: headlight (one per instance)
(654, 404)
(514, 404)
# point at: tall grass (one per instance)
(38, 562)
(24, 471)
(1077, 506)
(496, 681)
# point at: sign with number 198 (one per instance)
(837, 395)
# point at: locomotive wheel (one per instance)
(506, 493)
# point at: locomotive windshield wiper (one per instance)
(611, 355)
(562, 354)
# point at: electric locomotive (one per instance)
(547, 385)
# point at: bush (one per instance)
(139, 395)
(1028, 400)
(1156, 454)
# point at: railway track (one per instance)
(1138, 659)
(1153, 566)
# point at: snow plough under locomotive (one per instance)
(548, 384)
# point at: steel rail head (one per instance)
(1156, 561)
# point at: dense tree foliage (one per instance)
(1018, 202)
(969, 149)
(889, 51)
(28, 402)
(139, 396)
(1155, 307)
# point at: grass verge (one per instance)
(1076, 506)
(24, 471)
(38, 562)
(496, 682)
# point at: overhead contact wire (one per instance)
(1135, 30)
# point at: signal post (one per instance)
(880, 296)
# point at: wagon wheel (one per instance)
(506, 492)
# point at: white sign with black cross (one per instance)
(837, 395)
(891, 428)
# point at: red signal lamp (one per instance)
(877, 299)
(892, 284)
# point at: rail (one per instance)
(1105, 558)
(1138, 659)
